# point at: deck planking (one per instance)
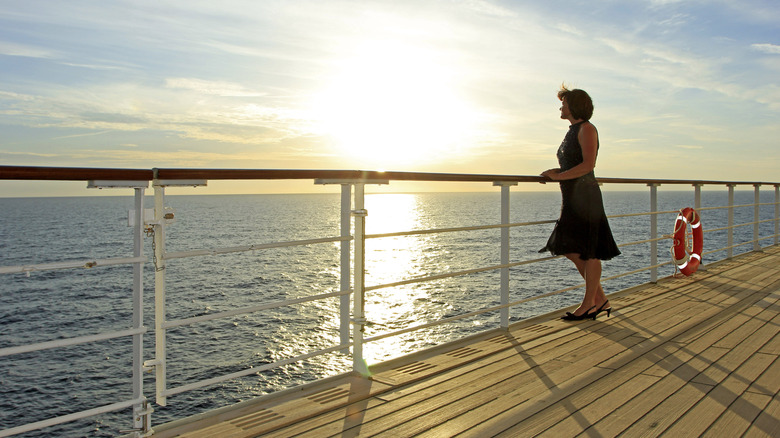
(693, 356)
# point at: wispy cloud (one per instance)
(28, 51)
(217, 88)
(689, 146)
(772, 49)
(565, 27)
(88, 134)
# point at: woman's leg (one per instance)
(590, 270)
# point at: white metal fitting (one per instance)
(169, 217)
(150, 364)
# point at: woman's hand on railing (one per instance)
(550, 175)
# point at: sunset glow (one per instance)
(394, 104)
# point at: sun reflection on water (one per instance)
(391, 259)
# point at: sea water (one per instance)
(75, 302)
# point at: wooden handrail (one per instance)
(73, 173)
(32, 173)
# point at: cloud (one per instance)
(27, 51)
(188, 108)
(95, 66)
(689, 146)
(113, 118)
(772, 49)
(89, 134)
(216, 88)
(29, 154)
(569, 29)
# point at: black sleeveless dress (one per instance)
(583, 227)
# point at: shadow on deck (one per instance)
(683, 357)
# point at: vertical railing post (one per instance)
(697, 201)
(777, 214)
(653, 231)
(730, 238)
(756, 215)
(159, 293)
(141, 417)
(358, 313)
(346, 245)
(142, 421)
(162, 216)
(355, 266)
(504, 292)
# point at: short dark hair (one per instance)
(580, 104)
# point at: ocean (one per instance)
(74, 302)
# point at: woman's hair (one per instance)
(580, 104)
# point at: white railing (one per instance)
(141, 422)
(352, 289)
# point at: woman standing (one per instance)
(582, 233)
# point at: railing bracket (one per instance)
(149, 365)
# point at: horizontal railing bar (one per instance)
(578, 286)
(483, 269)
(343, 175)
(457, 229)
(735, 206)
(248, 371)
(205, 252)
(87, 264)
(711, 230)
(638, 242)
(252, 309)
(397, 176)
(8, 351)
(71, 417)
(755, 222)
(730, 227)
(443, 276)
(646, 213)
(502, 306)
(458, 273)
(650, 213)
(712, 208)
(38, 173)
(735, 245)
(85, 173)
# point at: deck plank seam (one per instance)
(724, 352)
(715, 383)
(630, 372)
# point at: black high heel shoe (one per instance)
(601, 309)
(572, 317)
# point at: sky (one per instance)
(686, 89)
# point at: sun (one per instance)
(392, 103)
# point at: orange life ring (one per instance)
(686, 249)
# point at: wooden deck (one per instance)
(684, 357)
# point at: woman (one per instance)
(582, 233)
